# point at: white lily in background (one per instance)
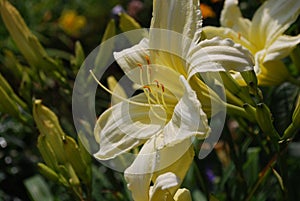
(263, 36)
(166, 116)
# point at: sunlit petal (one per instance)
(231, 17)
(125, 126)
(182, 194)
(272, 19)
(181, 127)
(281, 47)
(219, 55)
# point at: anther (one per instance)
(162, 87)
(140, 65)
(157, 83)
(147, 59)
(148, 88)
(239, 36)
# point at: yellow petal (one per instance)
(182, 194)
(218, 55)
(272, 19)
(231, 17)
(183, 17)
(188, 118)
(224, 32)
(151, 162)
(282, 47)
(125, 126)
(272, 73)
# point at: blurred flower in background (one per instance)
(72, 23)
(207, 11)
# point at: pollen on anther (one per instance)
(147, 59)
(162, 87)
(157, 83)
(148, 88)
(140, 65)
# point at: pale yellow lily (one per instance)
(263, 36)
(167, 115)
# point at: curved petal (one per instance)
(182, 194)
(231, 17)
(183, 17)
(131, 58)
(152, 162)
(127, 125)
(281, 47)
(163, 183)
(272, 19)
(175, 25)
(188, 118)
(223, 32)
(219, 55)
(272, 73)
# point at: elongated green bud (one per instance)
(47, 152)
(233, 86)
(74, 157)
(265, 121)
(27, 43)
(47, 172)
(49, 127)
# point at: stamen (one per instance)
(140, 65)
(118, 96)
(239, 35)
(157, 83)
(147, 59)
(147, 87)
(162, 87)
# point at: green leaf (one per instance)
(38, 189)
(251, 167)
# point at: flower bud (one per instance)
(265, 121)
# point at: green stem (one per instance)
(290, 132)
(238, 111)
(262, 176)
(232, 98)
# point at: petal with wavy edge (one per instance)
(126, 125)
(182, 194)
(219, 55)
(223, 32)
(231, 17)
(281, 47)
(188, 118)
(183, 17)
(272, 19)
(163, 183)
(130, 58)
(152, 162)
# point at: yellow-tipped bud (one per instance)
(49, 127)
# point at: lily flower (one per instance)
(165, 117)
(263, 36)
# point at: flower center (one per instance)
(154, 91)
